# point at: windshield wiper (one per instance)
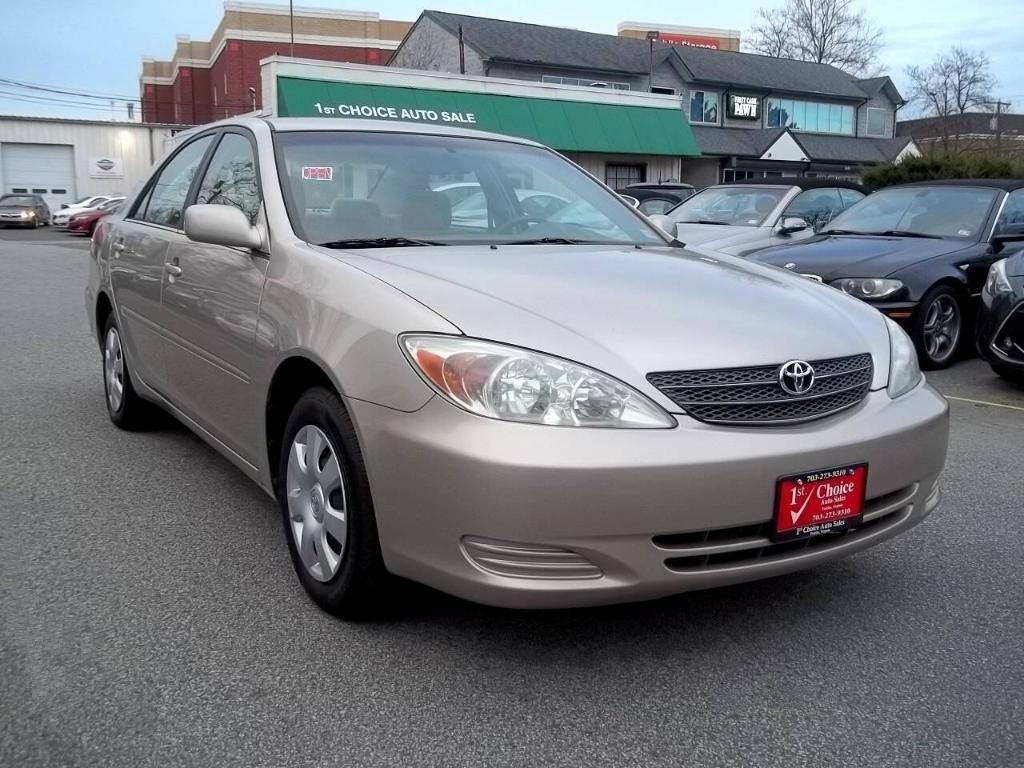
(378, 242)
(904, 233)
(844, 232)
(706, 221)
(551, 241)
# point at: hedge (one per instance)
(946, 166)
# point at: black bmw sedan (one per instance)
(920, 253)
(1001, 330)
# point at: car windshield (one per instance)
(734, 205)
(922, 211)
(345, 186)
(17, 200)
(86, 201)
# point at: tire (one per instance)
(327, 511)
(938, 328)
(126, 409)
(1012, 375)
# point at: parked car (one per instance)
(742, 217)
(21, 210)
(84, 222)
(1001, 329)
(920, 253)
(61, 217)
(538, 413)
(658, 198)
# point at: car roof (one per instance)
(668, 186)
(795, 181)
(1007, 184)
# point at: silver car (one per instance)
(740, 218)
(539, 413)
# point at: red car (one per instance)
(85, 222)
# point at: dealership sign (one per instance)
(106, 167)
(743, 107)
(693, 41)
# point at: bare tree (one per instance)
(956, 82)
(824, 31)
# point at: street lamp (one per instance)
(652, 35)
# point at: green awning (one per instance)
(570, 126)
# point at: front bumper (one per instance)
(444, 481)
(1005, 318)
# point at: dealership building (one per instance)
(65, 160)
(751, 115)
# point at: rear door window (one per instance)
(166, 199)
(816, 206)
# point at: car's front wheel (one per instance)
(327, 510)
(938, 327)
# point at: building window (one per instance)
(704, 107)
(877, 122)
(662, 89)
(811, 116)
(585, 82)
(621, 176)
(58, 191)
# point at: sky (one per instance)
(96, 46)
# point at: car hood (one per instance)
(835, 256)
(15, 208)
(629, 311)
(715, 236)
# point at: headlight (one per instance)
(997, 283)
(867, 287)
(26, 214)
(514, 384)
(904, 372)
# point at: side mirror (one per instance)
(221, 225)
(664, 223)
(999, 241)
(631, 200)
(792, 224)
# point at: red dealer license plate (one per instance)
(815, 503)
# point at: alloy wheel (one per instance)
(113, 369)
(317, 509)
(941, 330)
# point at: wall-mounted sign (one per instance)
(743, 107)
(106, 167)
(694, 41)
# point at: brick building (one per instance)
(211, 79)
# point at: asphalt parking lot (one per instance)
(149, 615)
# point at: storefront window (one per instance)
(621, 176)
(812, 116)
(704, 107)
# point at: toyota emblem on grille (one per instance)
(796, 377)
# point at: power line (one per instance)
(65, 92)
(51, 100)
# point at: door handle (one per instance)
(172, 269)
(118, 247)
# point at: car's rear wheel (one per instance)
(126, 409)
(1013, 375)
(938, 327)
(327, 509)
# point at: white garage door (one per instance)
(46, 169)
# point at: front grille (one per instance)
(739, 546)
(754, 396)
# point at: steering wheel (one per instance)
(509, 226)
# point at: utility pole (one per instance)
(995, 123)
(462, 51)
(291, 25)
(652, 35)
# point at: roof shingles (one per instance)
(515, 41)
